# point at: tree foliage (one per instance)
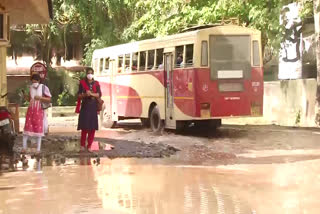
(110, 22)
(162, 17)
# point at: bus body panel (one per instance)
(194, 87)
(132, 97)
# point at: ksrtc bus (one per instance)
(198, 77)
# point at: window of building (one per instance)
(135, 61)
(142, 61)
(179, 56)
(1, 26)
(204, 53)
(159, 60)
(120, 64)
(151, 59)
(189, 56)
(256, 55)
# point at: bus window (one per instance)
(204, 53)
(142, 61)
(106, 66)
(95, 64)
(150, 59)
(134, 61)
(179, 56)
(256, 55)
(230, 52)
(120, 64)
(189, 56)
(100, 65)
(127, 62)
(159, 60)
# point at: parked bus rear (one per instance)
(227, 77)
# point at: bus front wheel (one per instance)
(156, 123)
(106, 119)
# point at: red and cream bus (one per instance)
(199, 77)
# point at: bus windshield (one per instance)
(230, 53)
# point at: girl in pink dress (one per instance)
(35, 114)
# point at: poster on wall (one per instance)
(290, 56)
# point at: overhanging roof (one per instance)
(28, 11)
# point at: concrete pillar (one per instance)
(3, 76)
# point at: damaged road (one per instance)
(225, 146)
(69, 147)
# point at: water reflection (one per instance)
(135, 186)
(156, 189)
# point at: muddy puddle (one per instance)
(69, 146)
(148, 186)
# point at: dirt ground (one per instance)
(227, 145)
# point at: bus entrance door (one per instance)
(113, 91)
(170, 119)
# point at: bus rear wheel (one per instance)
(156, 123)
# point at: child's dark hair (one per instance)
(89, 69)
(35, 77)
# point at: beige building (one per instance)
(13, 12)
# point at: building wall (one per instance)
(3, 77)
(284, 102)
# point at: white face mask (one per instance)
(89, 76)
(35, 85)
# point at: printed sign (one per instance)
(39, 68)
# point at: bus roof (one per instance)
(171, 40)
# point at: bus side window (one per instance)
(142, 60)
(159, 60)
(134, 62)
(150, 59)
(204, 53)
(106, 66)
(127, 62)
(189, 56)
(95, 64)
(120, 64)
(179, 57)
(256, 54)
(100, 66)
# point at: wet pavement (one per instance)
(237, 169)
(141, 186)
